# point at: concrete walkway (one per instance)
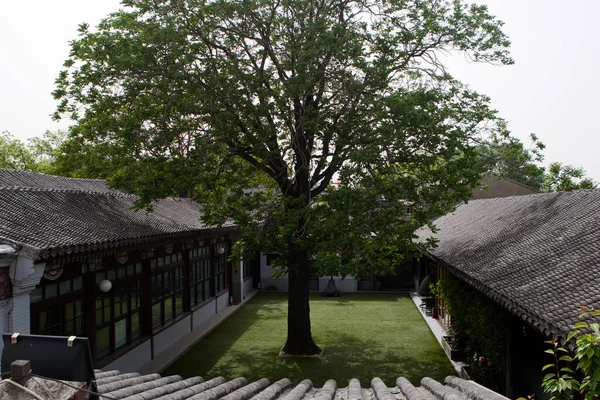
(436, 328)
(169, 356)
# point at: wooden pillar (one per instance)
(187, 277)
(147, 297)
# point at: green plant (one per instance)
(477, 325)
(562, 382)
(559, 384)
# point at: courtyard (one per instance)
(364, 335)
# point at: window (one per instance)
(60, 320)
(118, 312)
(221, 277)
(57, 307)
(247, 266)
(201, 282)
(167, 288)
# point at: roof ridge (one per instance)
(114, 192)
(522, 196)
(20, 171)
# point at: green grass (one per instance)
(364, 335)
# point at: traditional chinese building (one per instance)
(77, 259)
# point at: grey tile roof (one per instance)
(132, 386)
(537, 255)
(24, 179)
(58, 215)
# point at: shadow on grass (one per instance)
(358, 343)
(349, 358)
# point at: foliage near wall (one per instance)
(477, 324)
(561, 381)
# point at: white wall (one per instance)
(202, 314)
(266, 280)
(247, 287)
(348, 284)
(20, 318)
(133, 360)
(171, 335)
(223, 301)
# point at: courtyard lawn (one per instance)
(364, 335)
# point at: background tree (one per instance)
(13, 153)
(507, 157)
(211, 98)
(564, 178)
(38, 154)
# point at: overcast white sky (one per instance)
(552, 90)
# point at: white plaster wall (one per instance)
(247, 287)
(202, 314)
(20, 314)
(266, 280)
(3, 322)
(171, 335)
(223, 301)
(133, 360)
(347, 284)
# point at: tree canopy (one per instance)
(565, 178)
(253, 107)
(507, 157)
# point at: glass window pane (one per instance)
(138, 268)
(100, 276)
(51, 291)
(78, 283)
(179, 302)
(156, 315)
(65, 287)
(206, 289)
(135, 325)
(43, 321)
(130, 269)
(161, 262)
(69, 328)
(79, 326)
(69, 311)
(102, 342)
(36, 295)
(111, 275)
(120, 333)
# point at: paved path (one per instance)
(436, 328)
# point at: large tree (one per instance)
(254, 106)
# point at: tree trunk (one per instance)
(299, 339)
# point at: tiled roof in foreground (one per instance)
(133, 386)
(58, 215)
(537, 255)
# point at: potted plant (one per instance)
(454, 345)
